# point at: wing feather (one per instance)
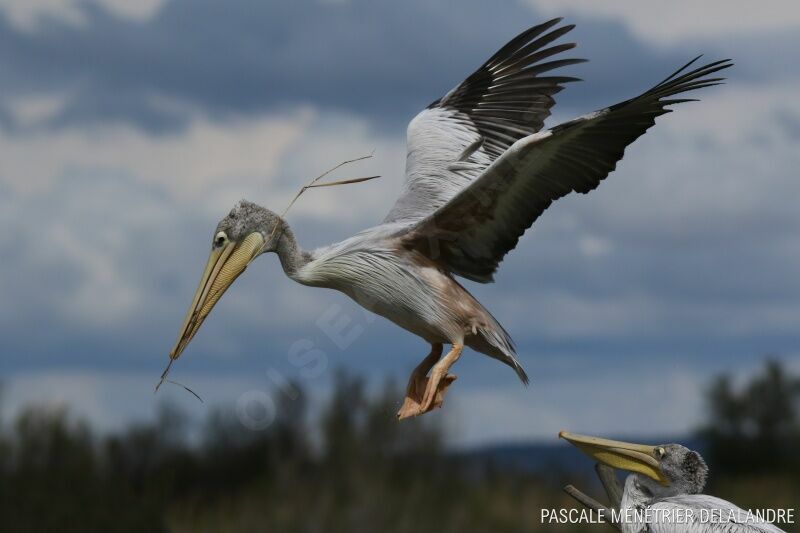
(726, 518)
(471, 233)
(459, 135)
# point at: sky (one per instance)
(128, 129)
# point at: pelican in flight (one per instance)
(479, 171)
(663, 492)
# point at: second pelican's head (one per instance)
(660, 469)
(246, 232)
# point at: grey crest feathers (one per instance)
(247, 217)
(686, 471)
(685, 468)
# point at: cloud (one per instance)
(32, 110)
(105, 237)
(29, 16)
(125, 137)
(91, 213)
(112, 400)
(663, 241)
(595, 403)
(684, 19)
(789, 121)
(699, 224)
(592, 396)
(239, 153)
(385, 61)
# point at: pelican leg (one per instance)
(417, 384)
(440, 380)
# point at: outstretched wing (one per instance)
(471, 233)
(452, 141)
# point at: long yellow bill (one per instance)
(639, 458)
(225, 264)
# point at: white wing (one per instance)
(711, 515)
(452, 141)
(471, 233)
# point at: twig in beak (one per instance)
(187, 389)
(340, 182)
(164, 379)
(164, 375)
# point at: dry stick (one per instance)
(165, 380)
(613, 490)
(610, 483)
(312, 182)
(340, 182)
(187, 389)
(590, 503)
(164, 375)
(311, 185)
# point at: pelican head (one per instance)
(246, 232)
(665, 468)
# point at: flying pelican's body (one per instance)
(478, 173)
(663, 494)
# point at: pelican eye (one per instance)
(661, 452)
(220, 239)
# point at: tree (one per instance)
(756, 427)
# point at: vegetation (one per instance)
(367, 473)
(755, 428)
(752, 437)
(354, 470)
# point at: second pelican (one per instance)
(663, 492)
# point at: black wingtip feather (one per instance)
(509, 83)
(523, 376)
(689, 81)
(552, 65)
(520, 40)
(684, 67)
(679, 101)
(687, 65)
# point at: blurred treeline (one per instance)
(353, 470)
(356, 470)
(752, 439)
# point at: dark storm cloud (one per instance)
(385, 60)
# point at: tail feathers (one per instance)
(490, 338)
(502, 348)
